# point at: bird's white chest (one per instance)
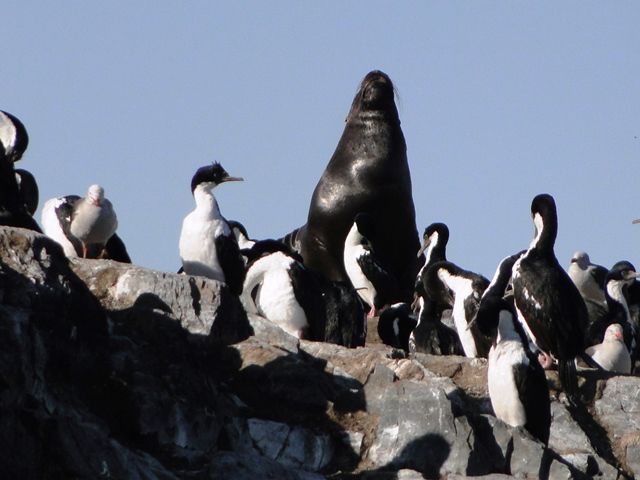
(360, 282)
(612, 356)
(275, 298)
(462, 288)
(503, 391)
(197, 244)
(93, 224)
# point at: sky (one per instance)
(499, 101)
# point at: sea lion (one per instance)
(368, 172)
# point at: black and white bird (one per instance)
(16, 203)
(501, 282)
(94, 220)
(517, 384)
(449, 286)
(547, 302)
(373, 282)
(612, 354)
(207, 245)
(13, 136)
(28, 191)
(240, 232)
(434, 248)
(588, 277)
(13, 210)
(279, 287)
(395, 325)
(432, 336)
(84, 226)
(621, 276)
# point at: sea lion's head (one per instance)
(376, 94)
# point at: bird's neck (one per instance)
(616, 300)
(546, 232)
(206, 203)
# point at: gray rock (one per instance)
(270, 333)
(294, 447)
(416, 428)
(201, 305)
(245, 466)
(112, 370)
(559, 471)
(632, 455)
(618, 411)
(528, 457)
(492, 476)
(569, 441)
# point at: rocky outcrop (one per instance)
(115, 371)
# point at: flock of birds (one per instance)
(531, 316)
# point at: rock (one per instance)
(243, 466)
(201, 305)
(416, 425)
(116, 371)
(294, 447)
(618, 411)
(528, 458)
(560, 471)
(569, 441)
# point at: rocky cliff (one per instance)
(115, 371)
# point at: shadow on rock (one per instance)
(292, 400)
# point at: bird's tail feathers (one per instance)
(569, 379)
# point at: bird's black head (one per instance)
(440, 228)
(213, 174)
(545, 220)
(544, 205)
(267, 247)
(13, 136)
(622, 271)
(235, 225)
(488, 314)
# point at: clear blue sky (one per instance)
(499, 101)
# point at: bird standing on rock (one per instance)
(207, 244)
(621, 276)
(369, 277)
(18, 199)
(94, 220)
(516, 381)
(612, 354)
(548, 304)
(588, 277)
(450, 286)
(434, 248)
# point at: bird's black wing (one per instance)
(483, 342)
(116, 249)
(308, 294)
(533, 391)
(384, 283)
(28, 189)
(599, 274)
(231, 262)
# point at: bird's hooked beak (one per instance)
(232, 179)
(630, 275)
(471, 323)
(424, 246)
